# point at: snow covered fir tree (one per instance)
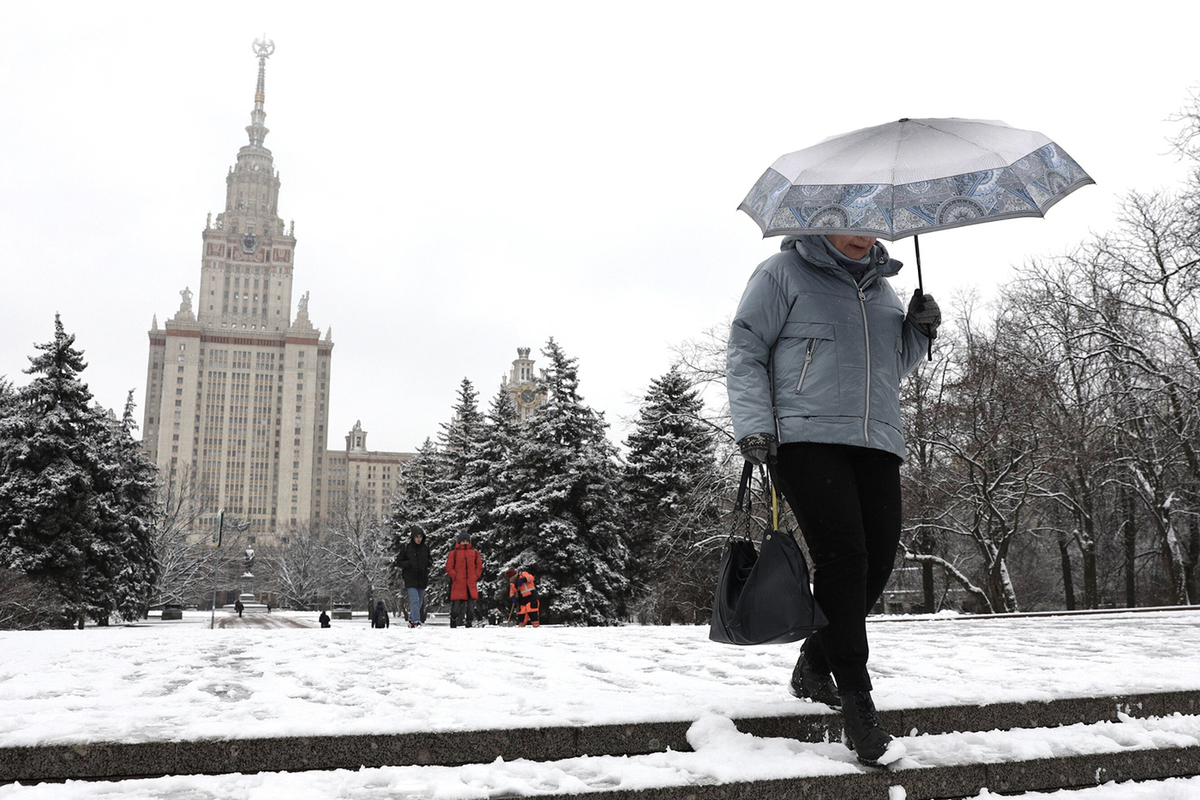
(555, 517)
(672, 491)
(77, 500)
(540, 492)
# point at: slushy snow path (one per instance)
(178, 681)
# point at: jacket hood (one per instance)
(815, 250)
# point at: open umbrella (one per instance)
(913, 176)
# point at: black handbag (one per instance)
(763, 597)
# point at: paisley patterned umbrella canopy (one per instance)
(911, 177)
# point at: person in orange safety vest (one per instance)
(524, 597)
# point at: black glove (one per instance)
(757, 447)
(924, 314)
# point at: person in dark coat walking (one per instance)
(414, 561)
(464, 566)
(238, 607)
(379, 617)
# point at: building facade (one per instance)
(237, 388)
(371, 475)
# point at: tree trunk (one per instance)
(1064, 555)
(927, 584)
(1191, 557)
(1091, 588)
(1001, 586)
(1129, 535)
(1173, 555)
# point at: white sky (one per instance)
(473, 177)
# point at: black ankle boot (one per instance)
(808, 684)
(872, 744)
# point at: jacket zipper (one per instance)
(862, 303)
(807, 360)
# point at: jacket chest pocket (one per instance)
(811, 355)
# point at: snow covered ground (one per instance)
(182, 681)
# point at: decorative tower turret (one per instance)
(527, 390)
(246, 271)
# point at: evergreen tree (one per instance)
(416, 502)
(483, 483)
(48, 460)
(132, 493)
(672, 491)
(558, 515)
(461, 441)
(76, 494)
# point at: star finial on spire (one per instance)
(263, 48)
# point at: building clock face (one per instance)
(527, 396)
(249, 243)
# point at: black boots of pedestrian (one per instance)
(809, 684)
(871, 744)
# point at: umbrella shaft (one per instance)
(917, 249)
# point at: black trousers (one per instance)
(847, 501)
(460, 607)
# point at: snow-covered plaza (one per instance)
(255, 678)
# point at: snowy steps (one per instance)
(1006, 747)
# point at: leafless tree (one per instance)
(1052, 306)
(358, 547)
(183, 548)
(990, 461)
(26, 604)
(301, 567)
(1146, 313)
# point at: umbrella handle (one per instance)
(921, 284)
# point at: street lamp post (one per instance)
(220, 532)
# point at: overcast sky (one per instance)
(468, 178)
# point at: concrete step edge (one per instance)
(114, 761)
(939, 783)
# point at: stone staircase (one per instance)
(962, 775)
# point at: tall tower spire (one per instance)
(263, 48)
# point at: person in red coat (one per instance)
(464, 566)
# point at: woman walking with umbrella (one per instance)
(820, 343)
(817, 349)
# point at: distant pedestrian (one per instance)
(524, 597)
(238, 607)
(379, 618)
(464, 566)
(414, 561)
(323, 619)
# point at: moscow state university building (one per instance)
(237, 398)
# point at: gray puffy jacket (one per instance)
(814, 358)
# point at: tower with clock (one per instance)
(237, 387)
(527, 390)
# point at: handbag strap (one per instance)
(771, 492)
(743, 487)
(745, 501)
